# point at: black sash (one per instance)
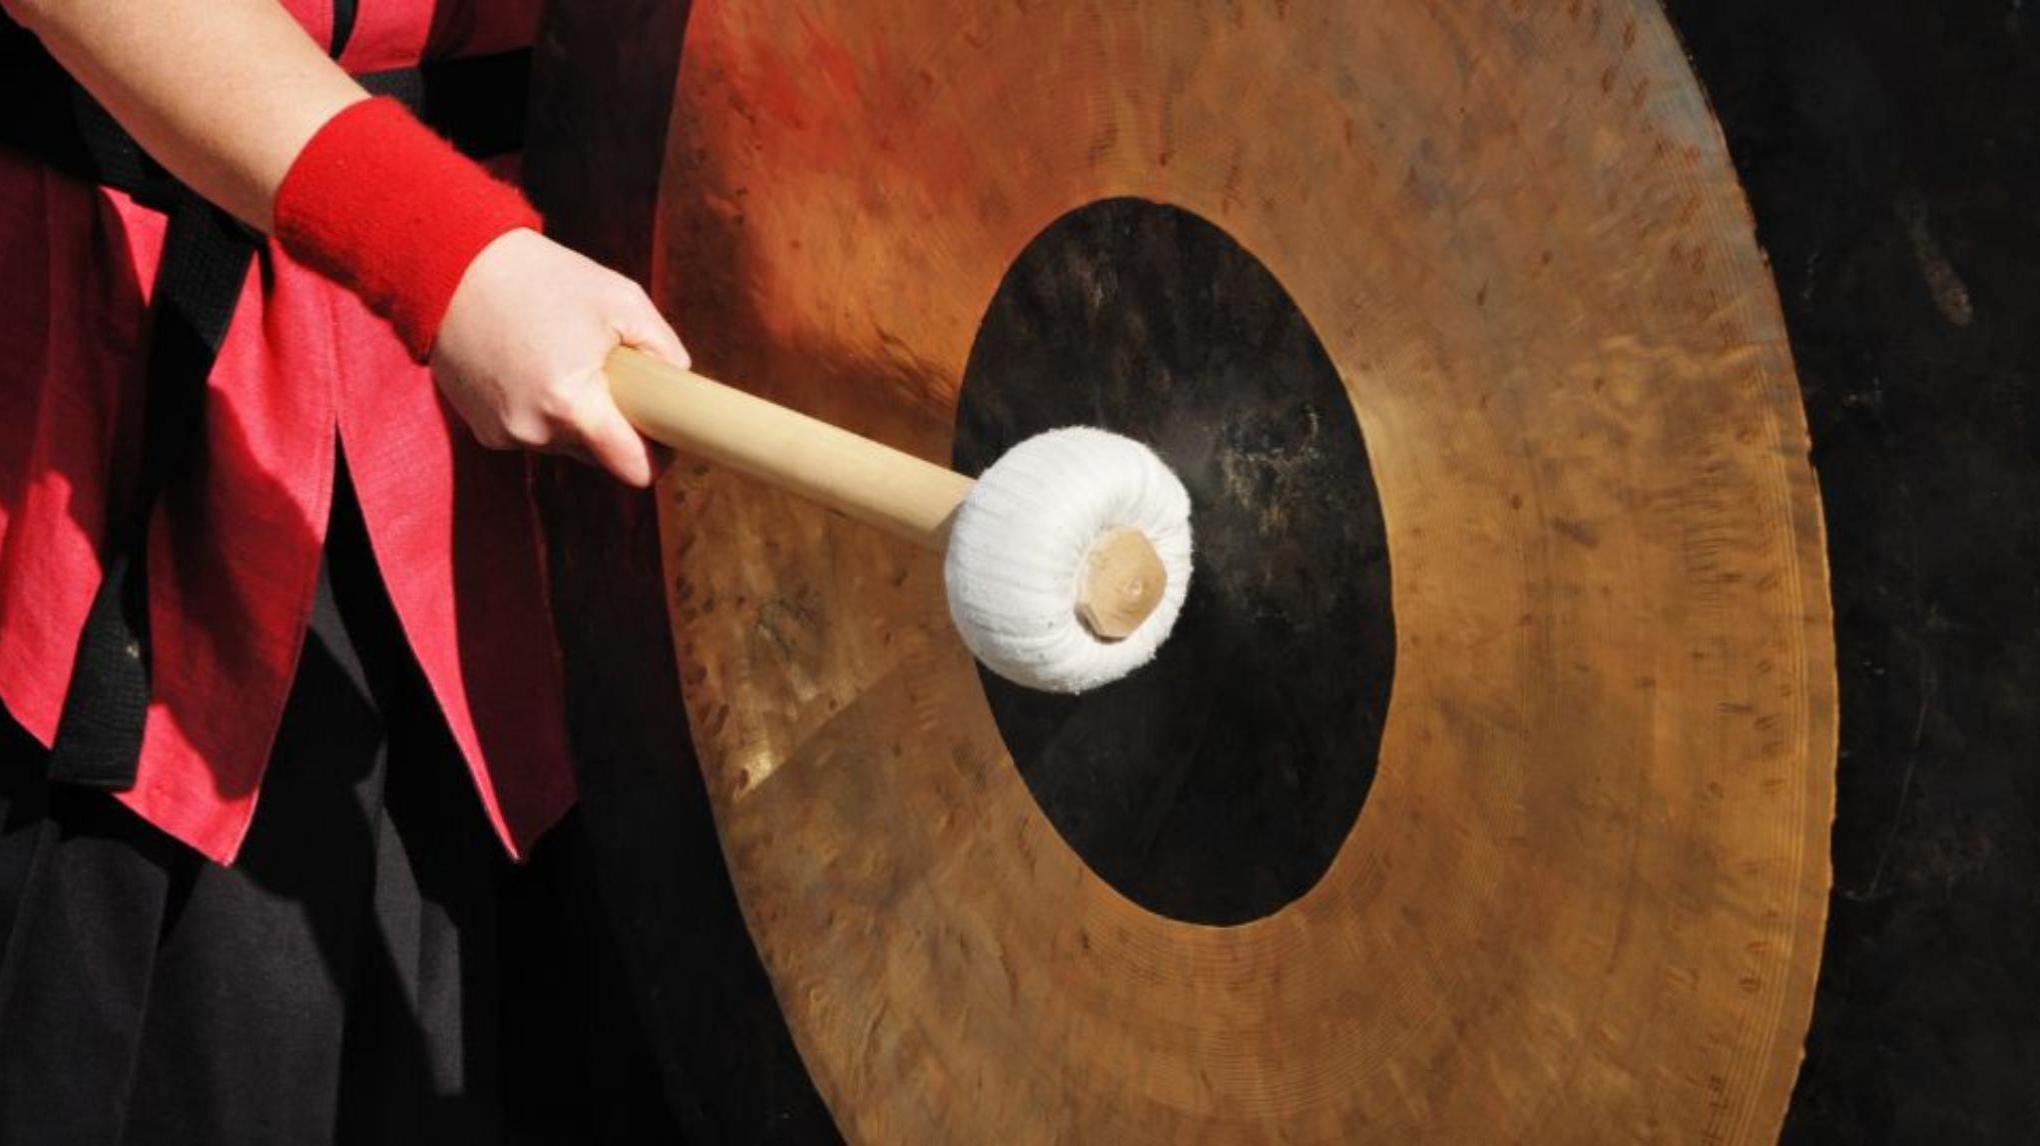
(477, 103)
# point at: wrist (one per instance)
(380, 204)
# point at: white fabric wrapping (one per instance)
(1019, 546)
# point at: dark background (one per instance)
(1891, 152)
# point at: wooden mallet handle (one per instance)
(809, 458)
(864, 480)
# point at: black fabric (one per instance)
(340, 983)
(477, 103)
(344, 12)
(206, 255)
(205, 261)
(49, 117)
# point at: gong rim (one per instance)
(1586, 891)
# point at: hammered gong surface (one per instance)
(1583, 899)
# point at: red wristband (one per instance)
(381, 205)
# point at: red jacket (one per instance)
(233, 553)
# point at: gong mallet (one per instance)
(1066, 562)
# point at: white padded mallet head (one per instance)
(1023, 544)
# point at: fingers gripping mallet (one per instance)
(1066, 563)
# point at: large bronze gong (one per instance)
(1576, 893)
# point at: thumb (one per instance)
(641, 327)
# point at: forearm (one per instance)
(224, 93)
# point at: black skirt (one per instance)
(341, 982)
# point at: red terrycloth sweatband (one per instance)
(386, 208)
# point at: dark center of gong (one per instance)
(1216, 784)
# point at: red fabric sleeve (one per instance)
(386, 208)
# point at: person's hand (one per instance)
(519, 353)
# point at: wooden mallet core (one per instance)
(1123, 583)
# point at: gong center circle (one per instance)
(1216, 784)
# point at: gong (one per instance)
(1512, 630)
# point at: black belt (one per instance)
(476, 103)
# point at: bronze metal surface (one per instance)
(1583, 900)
